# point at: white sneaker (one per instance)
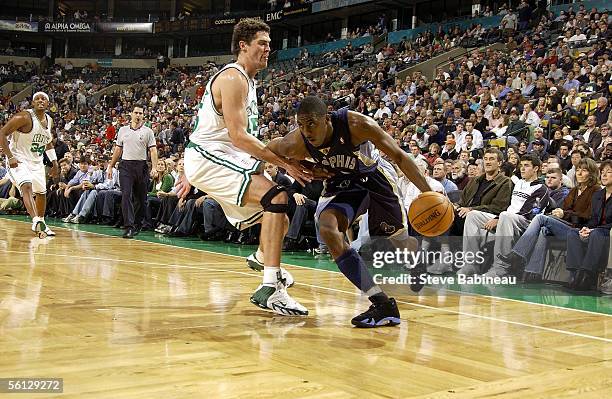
(39, 226)
(49, 232)
(606, 286)
(278, 300)
(68, 219)
(255, 264)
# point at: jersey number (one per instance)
(37, 148)
(252, 126)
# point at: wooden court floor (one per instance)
(129, 319)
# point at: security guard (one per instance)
(132, 144)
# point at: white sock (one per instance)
(36, 219)
(270, 275)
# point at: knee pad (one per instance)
(266, 201)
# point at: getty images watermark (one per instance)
(405, 259)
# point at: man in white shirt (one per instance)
(469, 129)
(382, 109)
(410, 191)
(529, 116)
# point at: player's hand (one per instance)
(13, 162)
(296, 170)
(183, 187)
(491, 224)
(299, 199)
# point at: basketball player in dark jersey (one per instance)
(346, 144)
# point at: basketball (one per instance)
(431, 214)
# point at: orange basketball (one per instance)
(431, 214)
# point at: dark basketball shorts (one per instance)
(376, 193)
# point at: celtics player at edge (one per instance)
(30, 136)
(224, 160)
(346, 144)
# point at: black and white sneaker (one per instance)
(278, 300)
(378, 315)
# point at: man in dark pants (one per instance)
(302, 207)
(132, 144)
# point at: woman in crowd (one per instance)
(170, 201)
(161, 183)
(586, 247)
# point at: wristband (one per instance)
(51, 155)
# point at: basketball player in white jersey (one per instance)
(23, 139)
(225, 160)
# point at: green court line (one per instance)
(545, 294)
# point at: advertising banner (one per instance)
(333, 4)
(125, 27)
(18, 26)
(67, 27)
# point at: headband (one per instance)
(41, 93)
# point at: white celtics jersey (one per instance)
(29, 147)
(210, 125)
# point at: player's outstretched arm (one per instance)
(364, 128)
(17, 122)
(292, 146)
(234, 90)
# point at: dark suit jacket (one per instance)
(598, 205)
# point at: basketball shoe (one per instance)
(49, 232)
(278, 300)
(39, 227)
(379, 314)
(255, 264)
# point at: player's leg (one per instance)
(273, 199)
(22, 178)
(39, 189)
(387, 219)
(246, 198)
(28, 199)
(255, 261)
(333, 222)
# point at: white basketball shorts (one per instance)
(224, 174)
(28, 172)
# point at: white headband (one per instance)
(41, 93)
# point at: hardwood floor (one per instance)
(130, 319)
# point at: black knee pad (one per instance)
(266, 201)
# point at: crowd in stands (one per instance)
(518, 139)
